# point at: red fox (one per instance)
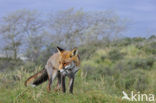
(61, 64)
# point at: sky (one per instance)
(140, 13)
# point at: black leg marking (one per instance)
(63, 84)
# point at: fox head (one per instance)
(68, 59)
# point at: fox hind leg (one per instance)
(58, 88)
(49, 84)
(51, 79)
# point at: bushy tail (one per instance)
(37, 78)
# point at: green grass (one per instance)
(104, 73)
(85, 91)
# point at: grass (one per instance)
(85, 91)
(103, 75)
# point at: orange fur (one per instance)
(55, 63)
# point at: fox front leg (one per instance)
(71, 84)
(63, 83)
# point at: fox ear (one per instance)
(59, 49)
(75, 51)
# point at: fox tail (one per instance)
(37, 78)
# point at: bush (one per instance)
(7, 64)
(131, 80)
(150, 48)
(115, 55)
(143, 63)
(95, 73)
(122, 42)
(137, 80)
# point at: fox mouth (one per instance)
(69, 69)
(70, 66)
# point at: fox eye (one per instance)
(64, 63)
(70, 56)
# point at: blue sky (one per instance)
(141, 13)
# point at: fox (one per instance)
(61, 64)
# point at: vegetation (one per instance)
(106, 70)
(110, 63)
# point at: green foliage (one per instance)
(45, 54)
(135, 80)
(105, 71)
(9, 64)
(122, 67)
(18, 93)
(143, 63)
(150, 48)
(115, 55)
